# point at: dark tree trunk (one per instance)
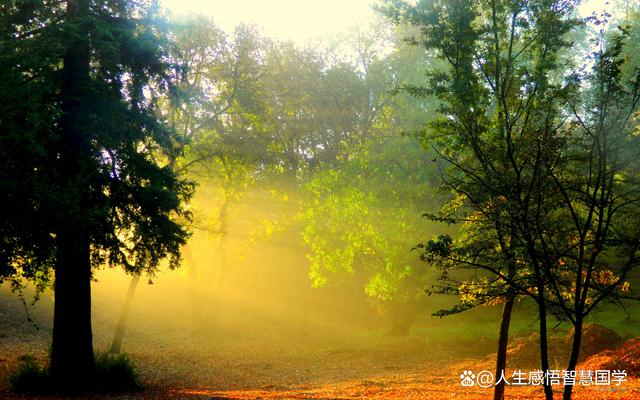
(544, 346)
(116, 344)
(575, 354)
(503, 341)
(72, 344)
(72, 349)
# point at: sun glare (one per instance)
(302, 21)
(298, 21)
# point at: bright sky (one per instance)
(296, 20)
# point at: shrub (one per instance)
(114, 373)
(30, 377)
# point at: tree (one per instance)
(538, 154)
(500, 118)
(596, 244)
(362, 232)
(226, 149)
(95, 67)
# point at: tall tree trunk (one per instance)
(72, 344)
(575, 353)
(72, 347)
(544, 346)
(116, 344)
(503, 341)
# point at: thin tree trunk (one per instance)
(216, 284)
(224, 237)
(544, 346)
(575, 353)
(196, 296)
(503, 341)
(118, 337)
(116, 344)
(72, 359)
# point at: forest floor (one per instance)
(389, 369)
(410, 370)
(294, 361)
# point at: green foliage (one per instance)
(112, 185)
(492, 90)
(434, 249)
(28, 75)
(281, 115)
(363, 217)
(542, 155)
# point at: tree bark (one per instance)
(72, 344)
(544, 346)
(72, 348)
(116, 344)
(575, 354)
(503, 341)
